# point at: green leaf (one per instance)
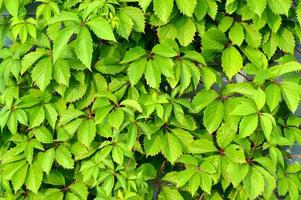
(79, 189)
(232, 61)
(19, 177)
(169, 194)
(86, 132)
(29, 59)
(202, 145)
(163, 9)
(42, 73)
(61, 72)
(253, 183)
(43, 135)
(243, 109)
(153, 145)
(273, 96)
(186, 6)
(257, 6)
(234, 177)
(280, 6)
(237, 34)
(259, 98)
(235, 153)
(203, 99)
(12, 6)
(136, 70)
(61, 41)
(206, 183)
(37, 117)
(115, 118)
(84, 47)
(171, 147)
(248, 125)
(131, 104)
(152, 75)
(101, 28)
(188, 30)
(137, 17)
(291, 94)
(46, 160)
(34, 177)
(51, 114)
(117, 155)
(133, 54)
(266, 124)
(286, 41)
(64, 157)
(125, 25)
(213, 116)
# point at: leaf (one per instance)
(203, 99)
(19, 177)
(186, 6)
(286, 41)
(42, 73)
(237, 34)
(163, 9)
(243, 109)
(248, 125)
(61, 41)
(153, 145)
(213, 116)
(29, 59)
(234, 177)
(235, 153)
(231, 61)
(188, 30)
(133, 54)
(101, 28)
(171, 147)
(136, 70)
(36, 117)
(259, 98)
(117, 155)
(152, 75)
(291, 95)
(34, 178)
(86, 132)
(61, 72)
(266, 124)
(51, 114)
(64, 157)
(137, 17)
(125, 25)
(46, 160)
(12, 6)
(115, 118)
(253, 183)
(132, 104)
(169, 194)
(280, 6)
(84, 47)
(79, 189)
(202, 145)
(43, 135)
(206, 183)
(257, 6)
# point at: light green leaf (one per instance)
(37, 117)
(291, 94)
(152, 75)
(84, 47)
(133, 54)
(12, 7)
(101, 28)
(257, 6)
(42, 73)
(280, 6)
(61, 72)
(46, 160)
(115, 118)
(202, 145)
(19, 177)
(64, 157)
(131, 103)
(137, 17)
(171, 147)
(168, 193)
(286, 41)
(234, 177)
(237, 34)
(117, 155)
(51, 114)
(253, 183)
(136, 70)
(125, 25)
(232, 61)
(248, 125)
(273, 96)
(266, 124)
(188, 30)
(43, 135)
(235, 153)
(34, 178)
(61, 40)
(186, 6)
(259, 98)
(163, 8)
(86, 132)
(203, 99)
(213, 116)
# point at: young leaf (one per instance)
(171, 147)
(213, 116)
(42, 73)
(101, 28)
(86, 132)
(64, 157)
(84, 47)
(163, 9)
(248, 125)
(186, 6)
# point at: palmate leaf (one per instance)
(42, 73)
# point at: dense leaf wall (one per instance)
(149, 99)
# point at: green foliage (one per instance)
(149, 99)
